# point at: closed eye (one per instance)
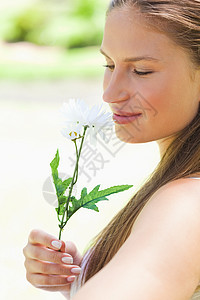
(111, 68)
(142, 73)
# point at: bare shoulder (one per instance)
(183, 185)
(178, 194)
(186, 187)
(162, 253)
(178, 202)
(168, 228)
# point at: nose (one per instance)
(115, 87)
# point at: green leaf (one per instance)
(62, 200)
(90, 203)
(74, 203)
(60, 185)
(54, 167)
(95, 196)
(74, 206)
(114, 190)
(91, 206)
(55, 162)
(67, 182)
(83, 192)
(60, 210)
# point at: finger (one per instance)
(71, 249)
(40, 253)
(42, 281)
(40, 237)
(34, 266)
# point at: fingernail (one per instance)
(56, 244)
(71, 278)
(67, 260)
(76, 270)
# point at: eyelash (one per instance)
(111, 67)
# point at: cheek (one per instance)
(171, 98)
(170, 93)
(162, 94)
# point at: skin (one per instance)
(169, 90)
(169, 100)
(39, 256)
(161, 257)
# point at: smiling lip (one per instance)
(125, 118)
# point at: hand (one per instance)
(50, 263)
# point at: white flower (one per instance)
(98, 121)
(72, 131)
(78, 114)
(74, 111)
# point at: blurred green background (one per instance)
(49, 52)
(51, 38)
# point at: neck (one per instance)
(164, 144)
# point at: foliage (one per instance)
(84, 9)
(77, 24)
(68, 205)
(32, 19)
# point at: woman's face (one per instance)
(167, 97)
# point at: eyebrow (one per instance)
(134, 59)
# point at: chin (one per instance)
(127, 137)
(131, 137)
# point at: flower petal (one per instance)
(76, 114)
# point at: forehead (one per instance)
(127, 33)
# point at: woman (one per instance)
(151, 248)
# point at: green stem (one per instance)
(76, 156)
(72, 184)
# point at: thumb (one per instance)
(71, 249)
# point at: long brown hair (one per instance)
(181, 21)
